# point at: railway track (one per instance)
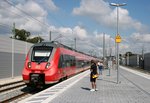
(14, 98)
(16, 91)
(9, 86)
(12, 91)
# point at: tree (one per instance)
(24, 36)
(35, 40)
(21, 34)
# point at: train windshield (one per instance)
(41, 53)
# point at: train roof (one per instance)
(57, 44)
(53, 44)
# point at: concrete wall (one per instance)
(10, 55)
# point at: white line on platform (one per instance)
(68, 83)
(83, 75)
(136, 72)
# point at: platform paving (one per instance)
(127, 91)
(108, 91)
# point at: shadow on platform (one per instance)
(85, 88)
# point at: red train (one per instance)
(50, 62)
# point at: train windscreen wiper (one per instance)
(46, 57)
(42, 60)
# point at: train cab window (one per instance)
(41, 53)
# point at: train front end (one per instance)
(40, 66)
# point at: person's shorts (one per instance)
(92, 79)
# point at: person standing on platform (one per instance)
(100, 67)
(93, 70)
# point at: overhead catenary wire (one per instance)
(24, 13)
(5, 25)
(16, 13)
(29, 17)
(42, 23)
(7, 28)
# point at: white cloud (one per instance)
(69, 33)
(89, 7)
(28, 15)
(10, 14)
(135, 43)
(100, 11)
(50, 4)
(65, 31)
(77, 32)
(32, 8)
(84, 43)
(141, 38)
(30, 26)
(80, 32)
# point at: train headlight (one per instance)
(47, 65)
(29, 64)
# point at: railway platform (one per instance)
(133, 87)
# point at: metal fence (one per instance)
(138, 61)
(135, 60)
(12, 56)
(147, 61)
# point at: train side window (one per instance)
(80, 63)
(70, 60)
(61, 62)
(66, 61)
(73, 61)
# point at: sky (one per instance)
(86, 20)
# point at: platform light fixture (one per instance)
(117, 44)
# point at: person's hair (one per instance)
(92, 61)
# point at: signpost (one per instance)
(118, 38)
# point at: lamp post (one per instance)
(13, 37)
(104, 47)
(75, 43)
(117, 44)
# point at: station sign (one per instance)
(118, 38)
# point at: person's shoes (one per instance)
(96, 89)
(92, 90)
